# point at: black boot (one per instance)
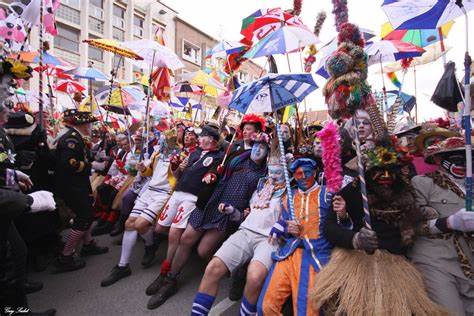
(119, 227)
(149, 255)
(116, 274)
(237, 284)
(155, 285)
(68, 263)
(168, 289)
(93, 249)
(102, 229)
(32, 286)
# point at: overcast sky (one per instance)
(222, 19)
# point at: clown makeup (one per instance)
(305, 177)
(276, 174)
(259, 152)
(317, 148)
(285, 133)
(363, 127)
(455, 165)
(247, 132)
(384, 177)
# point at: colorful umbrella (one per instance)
(121, 96)
(88, 73)
(272, 92)
(224, 48)
(161, 83)
(186, 87)
(284, 40)
(432, 53)
(114, 47)
(264, 21)
(389, 51)
(69, 86)
(53, 71)
(423, 14)
(12, 28)
(408, 101)
(153, 54)
(34, 57)
(204, 80)
(418, 37)
(183, 103)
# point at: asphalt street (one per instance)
(79, 292)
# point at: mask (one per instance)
(259, 152)
(317, 148)
(455, 165)
(285, 133)
(383, 177)
(364, 127)
(304, 177)
(276, 174)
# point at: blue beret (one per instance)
(303, 162)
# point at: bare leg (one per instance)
(256, 275)
(188, 239)
(210, 243)
(215, 271)
(174, 237)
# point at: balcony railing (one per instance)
(69, 14)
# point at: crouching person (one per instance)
(249, 243)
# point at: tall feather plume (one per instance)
(376, 119)
(341, 13)
(331, 157)
(297, 6)
(392, 115)
(319, 22)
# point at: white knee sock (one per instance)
(129, 240)
(148, 237)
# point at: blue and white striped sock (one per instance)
(247, 309)
(202, 304)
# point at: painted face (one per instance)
(363, 127)
(408, 141)
(455, 165)
(4, 114)
(275, 173)
(248, 131)
(190, 139)
(317, 148)
(384, 177)
(305, 177)
(285, 133)
(206, 142)
(259, 152)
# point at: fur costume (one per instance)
(384, 283)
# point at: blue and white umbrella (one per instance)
(182, 103)
(272, 92)
(88, 73)
(224, 48)
(423, 14)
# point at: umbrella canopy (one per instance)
(408, 101)
(87, 73)
(53, 71)
(186, 87)
(272, 92)
(69, 86)
(418, 37)
(146, 49)
(34, 57)
(432, 53)
(422, 14)
(113, 46)
(128, 94)
(204, 80)
(224, 48)
(284, 40)
(388, 51)
(264, 21)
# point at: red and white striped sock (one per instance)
(72, 241)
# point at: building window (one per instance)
(118, 34)
(119, 17)
(76, 4)
(69, 14)
(94, 53)
(67, 38)
(138, 26)
(96, 9)
(191, 52)
(96, 25)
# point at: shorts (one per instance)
(244, 246)
(149, 204)
(177, 210)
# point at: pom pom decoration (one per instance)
(331, 157)
(297, 5)
(340, 12)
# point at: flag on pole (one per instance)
(393, 78)
(290, 110)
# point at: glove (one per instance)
(365, 239)
(23, 180)
(98, 166)
(462, 221)
(42, 201)
(279, 229)
(234, 214)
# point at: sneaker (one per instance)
(116, 274)
(155, 285)
(68, 263)
(93, 249)
(168, 289)
(149, 256)
(102, 229)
